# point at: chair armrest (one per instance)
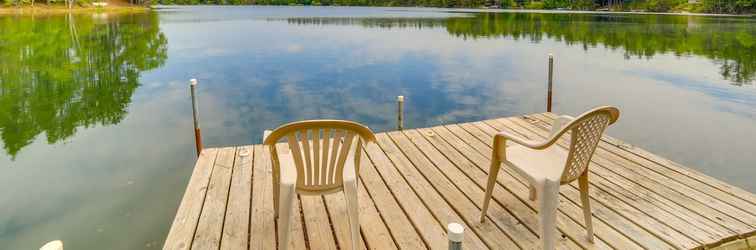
(559, 122)
(533, 144)
(506, 135)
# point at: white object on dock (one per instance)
(456, 234)
(53, 245)
(100, 4)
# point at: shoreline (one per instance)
(597, 12)
(60, 9)
(478, 10)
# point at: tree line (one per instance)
(703, 6)
(700, 6)
(68, 3)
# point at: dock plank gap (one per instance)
(414, 182)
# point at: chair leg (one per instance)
(583, 184)
(276, 195)
(350, 191)
(492, 173)
(549, 200)
(533, 194)
(286, 199)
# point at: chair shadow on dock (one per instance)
(413, 182)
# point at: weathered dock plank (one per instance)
(318, 224)
(413, 182)
(185, 222)
(262, 224)
(236, 225)
(656, 227)
(433, 233)
(210, 224)
(432, 187)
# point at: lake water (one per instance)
(95, 115)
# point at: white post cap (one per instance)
(53, 245)
(193, 81)
(266, 133)
(400, 98)
(551, 55)
(456, 232)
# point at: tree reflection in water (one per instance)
(729, 42)
(59, 73)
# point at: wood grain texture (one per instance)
(317, 223)
(662, 230)
(444, 210)
(236, 225)
(413, 182)
(210, 225)
(187, 216)
(434, 234)
(262, 224)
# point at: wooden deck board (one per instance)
(425, 223)
(736, 217)
(628, 210)
(375, 233)
(702, 181)
(433, 186)
(514, 196)
(569, 192)
(185, 222)
(743, 208)
(397, 221)
(474, 190)
(236, 225)
(413, 182)
(318, 223)
(210, 225)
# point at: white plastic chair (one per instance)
(322, 157)
(546, 166)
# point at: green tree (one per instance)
(661, 5)
(583, 4)
(553, 4)
(729, 6)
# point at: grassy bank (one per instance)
(60, 8)
(640, 6)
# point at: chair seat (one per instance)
(536, 165)
(289, 171)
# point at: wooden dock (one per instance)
(414, 182)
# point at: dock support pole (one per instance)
(400, 112)
(456, 234)
(195, 115)
(551, 82)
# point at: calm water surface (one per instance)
(95, 119)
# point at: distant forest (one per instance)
(694, 6)
(698, 6)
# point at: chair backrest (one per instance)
(320, 149)
(586, 132)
